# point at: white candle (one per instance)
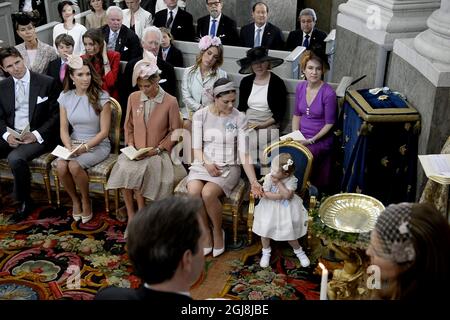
(324, 282)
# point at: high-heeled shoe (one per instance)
(76, 216)
(218, 252)
(86, 219)
(207, 251)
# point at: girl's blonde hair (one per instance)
(280, 162)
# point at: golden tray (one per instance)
(350, 212)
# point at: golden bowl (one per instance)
(350, 212)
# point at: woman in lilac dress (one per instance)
(315, 115)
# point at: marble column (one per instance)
(6, 26)
(366, 30)
(420, 68)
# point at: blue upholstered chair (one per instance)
(303, 159)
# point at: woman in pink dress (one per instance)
(315, 115)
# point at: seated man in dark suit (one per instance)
(27, 100)
(151, 41)
(57, 68)
(165, 245)
(217, 24)
(308, 36)
(149, 5)
(180, 22)
(120, 38)
(261, 32)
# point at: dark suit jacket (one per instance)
(272, 38)
(142, 293)
(174, 57)
(226, 30)
(182, 26)
(39, 7)
(44, 117)
(127, 43)
(149, 5)
(53, 71)
(316, 42)
(276, 95)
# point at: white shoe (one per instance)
(301, 255)
(218, 252)
(207, 251)
(265, 258)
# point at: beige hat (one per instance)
(145, 68)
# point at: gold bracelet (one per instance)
(86, 147)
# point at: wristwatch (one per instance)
(158, 151)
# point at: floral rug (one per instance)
(50, 256)
(284, 279)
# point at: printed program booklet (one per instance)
(16, 134)
(436, 167)
(64, 153)
(132, 153)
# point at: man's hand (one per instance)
(29, 138)
(13, 142)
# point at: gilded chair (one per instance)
(100, 173)
(40, 165)
(303, 159)
(230, 205)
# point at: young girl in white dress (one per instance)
(280, 214)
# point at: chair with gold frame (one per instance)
(100, 172)
(230, 205)
(303, 159)
(40, 165)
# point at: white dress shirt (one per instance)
(217, 23)
(22, 108)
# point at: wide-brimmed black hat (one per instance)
(257, 55)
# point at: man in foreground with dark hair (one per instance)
(165, 242)
(29, 122)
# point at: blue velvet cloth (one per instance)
(379, 157)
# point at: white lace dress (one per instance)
(280, 220)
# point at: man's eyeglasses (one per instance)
(211, 4)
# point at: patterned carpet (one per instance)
(50, 256)
(285, 279)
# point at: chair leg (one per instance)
(48, 188)
(58, 200)
(106, 193)
(234, 213)
(116, 201)
(251, 210)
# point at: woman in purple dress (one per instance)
(315, 115)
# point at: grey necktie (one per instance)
(20, 91)
(169, 22)
(112, 43)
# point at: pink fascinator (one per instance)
(208, 41)
(74, 61)
(145, 68)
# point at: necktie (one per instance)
(62, 71)
(20, 91)
(212, 32)
(169, 22)
(306, 41)
(258, 38)
(112, 43)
